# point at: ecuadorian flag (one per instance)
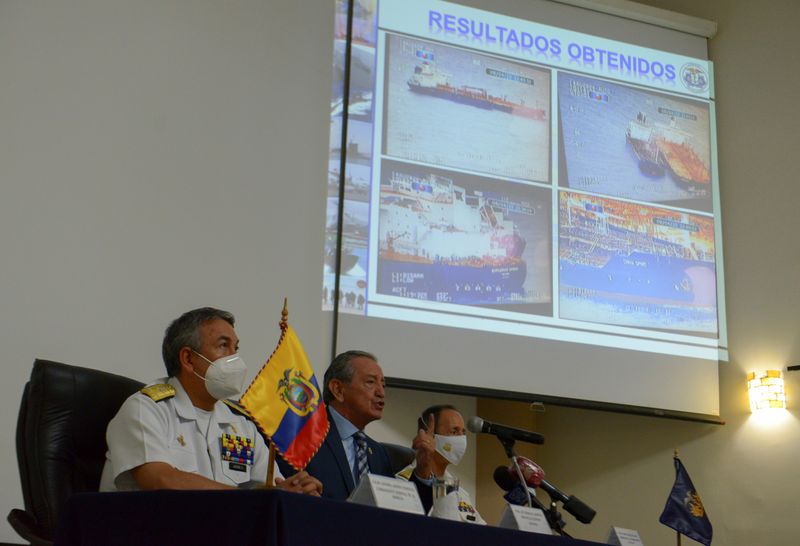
(285, 402)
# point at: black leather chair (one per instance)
(61, 440)
(399, 456)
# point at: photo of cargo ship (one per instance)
(621, 141)
(662, 147)
(428, 80)
(458, 108)
(628, 264)
(448, 243)
(441, 241)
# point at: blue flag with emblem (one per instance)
(684, 510)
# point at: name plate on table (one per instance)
(619, 536)
(525, 518)
(385, 492)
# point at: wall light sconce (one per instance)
(766, 390)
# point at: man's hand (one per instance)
(302, 482)
(425, 445)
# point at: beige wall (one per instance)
(746, 471)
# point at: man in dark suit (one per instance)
(354, 390)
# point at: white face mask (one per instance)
(225, 377)
(451, 448)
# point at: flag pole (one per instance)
(271, 462)
(677, 533)
(270, 483)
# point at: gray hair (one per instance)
(341, 368)
(185, 332)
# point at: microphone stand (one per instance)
(552, 514)
(555, 520)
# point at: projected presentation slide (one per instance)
(358, 155)
(510, 177)
(628, 264)
(353, 277)
(458, 108)
(362, 58)
(450, 237)
(365, 28)
(621, 141)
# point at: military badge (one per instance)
(467, 511)
(236, 449)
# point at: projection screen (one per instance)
(531, 205)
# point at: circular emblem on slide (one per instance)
(694, 77)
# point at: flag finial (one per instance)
(675, 455)
(285, 314)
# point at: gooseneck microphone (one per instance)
(506, 478)
(478, 425)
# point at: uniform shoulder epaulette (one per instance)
(159, 391)
(237, 407)
(406, 473)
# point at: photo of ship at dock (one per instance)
(625, 142)
(457, 108)
(661, 147)
(633, 265)
(454, 238)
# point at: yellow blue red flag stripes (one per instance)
(286, 404)
(684, 511)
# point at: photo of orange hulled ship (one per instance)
(664, 146)
(622, 141)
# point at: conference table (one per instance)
(265, 518)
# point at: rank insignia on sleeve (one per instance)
(237, 449)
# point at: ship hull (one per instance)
(451, 283)
(647, 157)
(461, 98)
(685, 167)
(644, 277)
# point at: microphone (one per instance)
(518, 494)
(476, 425)
(534, 477)
(503, 478)
(515, 492)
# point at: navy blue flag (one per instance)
(517, 495)
(684, 511)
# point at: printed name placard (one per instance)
(619, 536)
(525, 518)
(390, 493)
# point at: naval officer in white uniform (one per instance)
(182, 433)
